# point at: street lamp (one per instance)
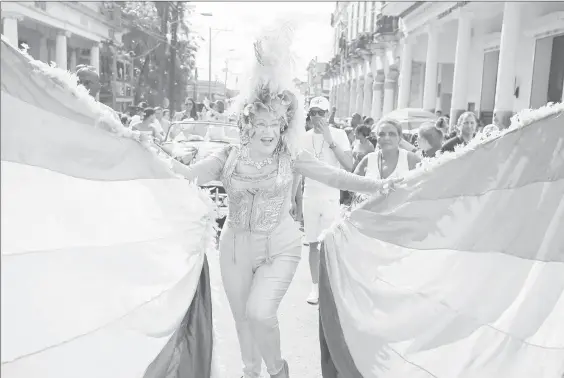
(207, 14)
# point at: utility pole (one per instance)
(196, 84)
(226, 71)
(210, 67)
(173, 43)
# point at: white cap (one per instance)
(319, 102)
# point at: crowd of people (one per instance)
(377, 150)
(155, 121)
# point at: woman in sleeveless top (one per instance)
(390, 161)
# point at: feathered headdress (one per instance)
(270, 87)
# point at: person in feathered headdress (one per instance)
(260, 245)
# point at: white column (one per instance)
(360, 90)
(377, 88)
(389, 91)
(61, 51)
(352, 101)
(95, 57)
(346, 93)
(430, 91)
(368, 80)
(73, 60)
(405, 74)
(510, 35)
(462, 56)
(43, 50)
(10, 28)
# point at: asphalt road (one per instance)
(298, 326)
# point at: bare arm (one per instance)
(412, 160)
(337, 178)
(344, 157)
(295, 185)
(406, 145)
(361, 167)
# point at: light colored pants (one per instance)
(319, 215)
(257, 270)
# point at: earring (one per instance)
(245, 139)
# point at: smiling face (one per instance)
(265, 133)
(467, 124)
(388, 136)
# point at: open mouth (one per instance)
(267, 141)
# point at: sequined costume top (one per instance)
(260, 210)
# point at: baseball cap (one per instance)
(319, 102)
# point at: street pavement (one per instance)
(298, 326)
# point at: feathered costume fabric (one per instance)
(104, 270)
(460, 273)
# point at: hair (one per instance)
(193, 111)
(364, 130)
(464, 115)
(442, 123)
(369, 121)
(268, 86)
(220, 106)
(143, 105)
(389, 121)
(148, 112)
(431, 134)
(124, 118)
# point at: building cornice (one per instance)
(396, 8)
(430, 13)
(76, 5)
(547, 25)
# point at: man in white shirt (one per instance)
(320, 202)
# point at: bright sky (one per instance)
(245, 20)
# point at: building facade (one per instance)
(364, 69)
(317, 80)
(493, 58)
(73, 33)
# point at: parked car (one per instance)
(192, 141)
(411, 120)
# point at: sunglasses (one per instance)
(320, 113)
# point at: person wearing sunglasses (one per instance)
(321, 203)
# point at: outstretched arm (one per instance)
(316, 170)
(204, 171)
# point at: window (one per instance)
(556, 72)
(41, 5)
(372, 27)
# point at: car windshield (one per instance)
(207, 131)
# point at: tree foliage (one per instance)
(150, 42)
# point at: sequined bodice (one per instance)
(257, 210)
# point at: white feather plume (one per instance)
(273, 67)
